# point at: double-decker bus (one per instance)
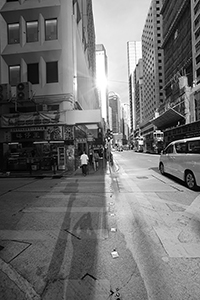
(139, 144)
(182, 131)
(158, 138)
(154, 142)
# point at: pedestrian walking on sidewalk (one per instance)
(84, 162)
(96, 160)
(91, 154)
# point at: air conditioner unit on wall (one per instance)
(5, 92)
(24, 91)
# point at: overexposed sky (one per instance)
(116, 23)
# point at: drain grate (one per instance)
(142, 177)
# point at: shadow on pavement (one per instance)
(77, 243)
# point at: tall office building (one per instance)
(134, 53)
(138, 82)
(195, 15)
(101, 76)
(195, 96)
(114, 103)
(47, 80)
(178, 66)
(126, 118)
(153, 73)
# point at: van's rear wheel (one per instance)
(190, 180)
(162, 169)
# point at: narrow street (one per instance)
(126, 233)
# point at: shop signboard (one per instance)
(25, 135)
(90, 138)
(81, 140)
(68, 133)
(54, 133)
(13, 120)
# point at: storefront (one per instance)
(41, 141)
(42, 147)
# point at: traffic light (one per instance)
(24, 91)
(100, 136)
(5, 92)
(109, 134)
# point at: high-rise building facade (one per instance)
(101, 76)
(152, 55)
(195, 96)
(126, 121)
(178, 65)
(195, 15)
(47, 76)
(138, 96)
(114, 103)
(134, 53)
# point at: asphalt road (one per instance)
(126, 233)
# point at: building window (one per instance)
(13, 33)
(51, 29)
(32, 31)
(14, 75)
(52, 72)
(33, 73)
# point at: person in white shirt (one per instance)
(84, 161)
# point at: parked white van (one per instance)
(181, 158)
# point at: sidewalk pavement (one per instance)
(50, 173)
(11, 282)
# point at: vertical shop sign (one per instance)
(68, 133)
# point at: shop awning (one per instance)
(169, 118)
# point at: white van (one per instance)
(181, 159)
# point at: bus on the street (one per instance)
(139, 144)
(182, 131)
(153, 142)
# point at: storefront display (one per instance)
(42, 147)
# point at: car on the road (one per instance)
(181, 158)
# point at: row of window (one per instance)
(185, 147)
(33, 73)
(32, 29)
